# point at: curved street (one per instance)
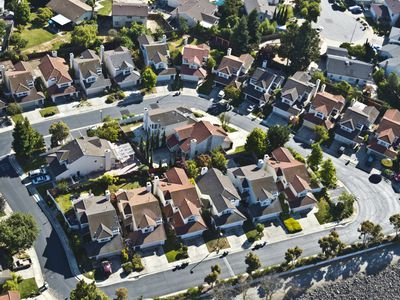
(377, 202)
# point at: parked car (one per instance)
(250, 108)
(41, 179)
(341, 150)
(221, 94)
(355, 9)
(319, 28)
(37, 172)
(20, 264)
(107, 269)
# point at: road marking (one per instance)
(228, 266)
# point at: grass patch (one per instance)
(36, 36)
(229, 129)
(49, 111)
(239, 149)
(127, 186)
(198, 114)
(178, 44)
(250, 230)
(28, 287)
(174, 251)
(291, 224)
(213, 242)
(18, 117)
(106, 9)
(64, 201)
(206, 87)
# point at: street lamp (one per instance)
(101, 115)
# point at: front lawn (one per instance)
(49, 111)
(292, 225)
(214, 243)
(229, 129)
(173, 251)
(18, 117)
(206, 87)
(64, 201)
(28, 287)
(239, 149)
(250, 230)
(106, 9)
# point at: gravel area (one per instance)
(383, 285)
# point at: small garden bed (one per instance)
(28, 288)
(64, 201)
(291, 225)
(49, 111)
(214, 242)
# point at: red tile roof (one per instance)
(390, 120)
(55, 67)
(195, 53)
(325, 102)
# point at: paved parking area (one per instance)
(305, 135)
(236, 238)
(153, 262)
(310, 222)
(197, 249)
(274, 232)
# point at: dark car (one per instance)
(217, 109)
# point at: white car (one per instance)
(250, 108)
(41, 179)
(37, 172)
(221, 94)
(319, 28)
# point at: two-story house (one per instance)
(259, 185)
(141, 217)
(261, 85)
(220, 196)
(156, 54)
(121, 68)
(125, 12)
(357, 118)
(193, 59)
(20, 85)
(180, 203)
(76, 11)
(195, 12)
(88, 70)
(386, 139)
(264, 8)
(231, 67)
(295, 95)
(98, 215)
(324, 110)
(56, 77)
(194, 139)
(293, 180)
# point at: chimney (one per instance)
(156, 181)
(54, 53)
(164, 38)
(193, 146)
(323, 86)
(107, 159)
(264, 64)
(266, 158)
(71, 61)
(148, 186)
(101, 53)
(260, 163)
(203, 171)
(108, 195)
(317, 84)
(229, 51)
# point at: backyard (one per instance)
(106, 8)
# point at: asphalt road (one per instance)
(377, 203)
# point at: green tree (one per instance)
(27, 141)
(22, 12)
(322, 133)
(121, 293)
(211, 63)
(260, 230)
(277, 136)
(204, 160)
(327, 174)
(216, 268)
(59, 132)
(211, 278)
(17, 41)
(85, 36)
(44, 15)
(314, 12)
(13, 109)
(229, 8)
(84, 291)
(316, 156)
(109, 131)
(13, 283)
(256, 142)
(300, 45)
(252, 261)
(183, 26)
(240, 38)
(3, 27)
(395, 221)
(149, 78)
(331, 244)
(370, 233)
(18, 232)
(254, 25)
(191, 169)
(136, 30)
(232, 92)
(218, 160)
(292, 254)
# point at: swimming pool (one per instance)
(219, 2)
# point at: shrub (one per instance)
(137, 263)
(62, 186)
(292, 225)
(120, 95)
(387, 163)
(127, 267)
(124, 255)
(110, 99)
(13, 109)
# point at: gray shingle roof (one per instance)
(343, 66)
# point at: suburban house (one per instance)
(261, 85)
(56, 77)
(195, 11)
(141, 217)
(264, 8)
(164, 121)
(353, 71)
(10, 295)
(324, 110)
(194, 58)
(392, 54)
(386, 138)
(98, 215)
(259, 186)
(356, 119)
(219, 195)
(337, 51)
(20, 85)
(389, 11)
(125, 12)
(121, 68)
(75, 11)
(394, 36)
(83, 156)
(379, 12)
(181, 204)
(200, 137)
(295, 95)
(88, 70)
(156, 54)
(231, 67)
(293, 180)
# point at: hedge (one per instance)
(292, 225)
